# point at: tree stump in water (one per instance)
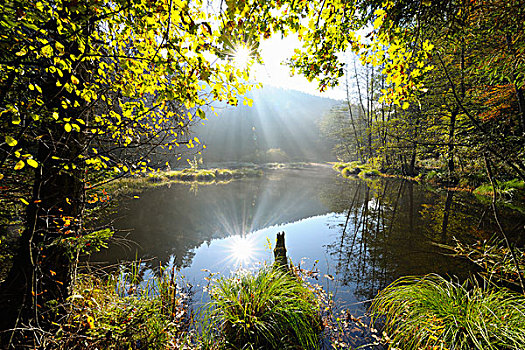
(279, 252)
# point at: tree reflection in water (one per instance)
(391, 227)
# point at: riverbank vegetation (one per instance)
(512, 190)
(195, 176)
(262, 309)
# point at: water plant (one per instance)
(431, 312)
(268, 309)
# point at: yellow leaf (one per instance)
(20, 165)
(21, 52)
(406, 105)
(24, 201)
(67, 127)
(47, 51)
(91, 322)
(59, 47)
(74, 80)
(11, 141)
(32, 162)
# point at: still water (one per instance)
(360, 235)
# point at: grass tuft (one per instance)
(434, 313)
(268, 309)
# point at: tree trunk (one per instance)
(41, 268)
(40, 277)
(452, 179)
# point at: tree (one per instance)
(461, 52)
(83, 85)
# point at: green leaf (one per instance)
(201, 113)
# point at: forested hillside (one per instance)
(282, 125)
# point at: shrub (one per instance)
(431, 312)
(269, 309)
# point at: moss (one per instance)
(370, 173)
(513, 189)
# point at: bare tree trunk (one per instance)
(452, 179)
(350, 113)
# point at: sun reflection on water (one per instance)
(242, 250)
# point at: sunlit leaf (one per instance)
(20, 165)
(11, 141)
(31, 162)
(22, 52)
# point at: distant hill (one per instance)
(282, 125)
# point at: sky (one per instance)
(276, 50)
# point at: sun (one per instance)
(241, 56)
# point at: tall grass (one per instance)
(268, 309)
(122, 311)
(433, 313)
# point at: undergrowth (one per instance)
(120, 311)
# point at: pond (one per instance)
(359, 234)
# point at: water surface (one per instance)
(360, 235)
